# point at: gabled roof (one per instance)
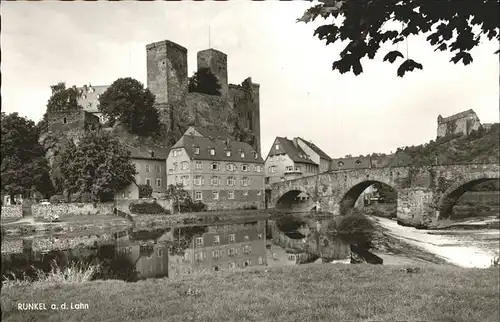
(190, 142)
(150, 153)
(316, 149)
(208, 133)
(294, 152)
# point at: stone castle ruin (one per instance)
(167, 78)
(462, 123)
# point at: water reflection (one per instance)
(173, 251)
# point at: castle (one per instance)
(167, 79)
(464, 122)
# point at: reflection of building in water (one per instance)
(150, 258)
(223, 247)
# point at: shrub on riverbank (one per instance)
(73, 273)
(148, 208)
(314, 292)
(356, 228)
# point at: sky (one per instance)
(79, 43)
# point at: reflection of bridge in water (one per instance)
(425, 193)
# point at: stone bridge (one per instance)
(425, 193)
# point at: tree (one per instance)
(364, 26)
(177, 194)
(98, 166)
(63, 99)
(127, 101)
(204, 81)
(386, 192)
(356, 228)
(24, 168)
(145, 191)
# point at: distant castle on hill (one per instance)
(167, 79)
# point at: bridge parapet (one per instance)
(424, 192)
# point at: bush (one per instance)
(57, 199)
(356, 228)
(146, 208)
(145, 191)
(189, 206)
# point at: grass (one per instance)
(72, 274)
(314, 292)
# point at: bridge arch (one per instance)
(295, 200)
(452, 194)
(352, 194)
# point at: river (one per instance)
(465, 248)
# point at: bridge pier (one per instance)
(415, 207)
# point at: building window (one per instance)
(199, 256)
(185, 165)
(231, 181)
(230, 194)
(288, 168)
(199, 241)
(273, 169)
(214, 166)
(230, 167)
(245, 192)
(244, 167)
(65, 120)
(212, 151)
(259, 193)
(228, 153)
(246, 238)
(215, 195)
(160, 252)
(178, 179)
(277, 147)
(216, 253)
(214, 181)
(158, 183)
(216, 268)
(175, 166)
(255, 155)
(158, 168)
(196, 150)
(216, 240)
(259, 236)
(244, 181)
(231, 265)
(232, 252)
(199, 165)
(291, 257)
(266, 180)
(242, 154)
(358, 162)
(186, 257)
(232, 238)
(198, 180)
(148, 182)
(198, 195)
(258, 168)
(185, 180)
(247, 263)
(340, 163)
(261, 261)
(297, 169)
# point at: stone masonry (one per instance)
(425, 194)
(463, 122)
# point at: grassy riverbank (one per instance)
(314, 292)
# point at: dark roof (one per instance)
(458, 116)
(145, 152)
(316, 149)
(350, 163)
(293, 151)
(208, 133)
(221, 146)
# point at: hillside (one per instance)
(479, 147)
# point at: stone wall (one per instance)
(415, 207)
(12, 246)
(72, 209)
(14, 211)
(480, 197)
(216, 61)
(463, 123)
(55, 243)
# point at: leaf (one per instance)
(441, 47)
(357, 68)
(408, 66)
(464, 56)
(392, 56)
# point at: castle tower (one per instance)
(255, 121)
(167, 73)
(216, 61)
